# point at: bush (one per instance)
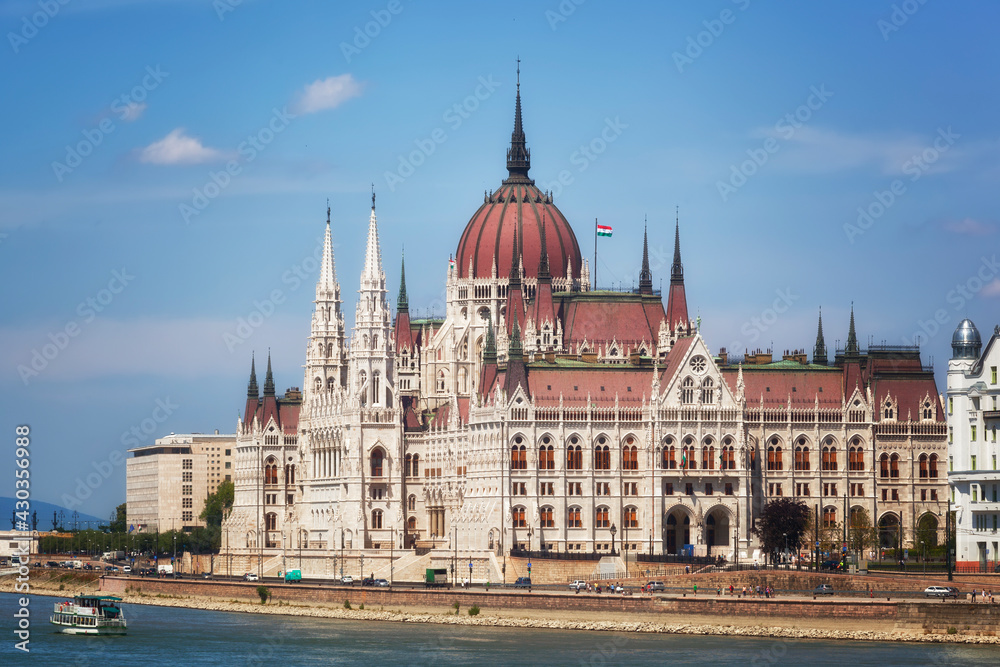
(474, 610)
(454, 605)
(361, 606)
(263, 593)
(62, 587)
(952, 630)
(347, 604)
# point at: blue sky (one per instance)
(769, 124)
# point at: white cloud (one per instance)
(992, 289)
(178, 148)
(133, 111)
(327, 93)
(970, 227)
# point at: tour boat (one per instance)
(89, 615)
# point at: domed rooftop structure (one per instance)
(518, 207)
(966, 343)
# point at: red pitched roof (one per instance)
(606, 317)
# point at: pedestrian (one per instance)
(730, 590)
(718, 593)
(488, 586)
(696, 590)
(973, 595)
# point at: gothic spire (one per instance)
(515, 263)
(852, 336)
(252, 390)
(402, 302)
(645, 275)
(328, 269)
(518, 155)
(677, 269)
(373, 254)
(819, 352)
(514, 349)
(490, 352)
(269, 379)
(543, 259)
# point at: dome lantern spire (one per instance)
(518, 155)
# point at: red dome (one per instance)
(520, 208)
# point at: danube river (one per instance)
(172, 636)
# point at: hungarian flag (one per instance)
(684, 459)
(603, 230)
(451, 264)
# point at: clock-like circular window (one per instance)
(699, 364)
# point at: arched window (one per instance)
(377, 459)
(270, 521)
(631, 519)
(856, 456)
(883, 463)
(602, 457)
(411, 503)
(774, 457)
(546, 457)
(376, 386)
(408, 466)
(416, 465)
(829, 456)
(546, 517)
(331, 383)
(601, 518)
(630, 455)
(318, 384)
(933, 466)
(801, 455)
(290, 473)
(440, 381)
(829, 517)
(708, 457)
(271, 472)
(687, 391)
(411, 524)
(728, 457)
(708, 391)
(688, 460)
(518, 517)
(928, 414)
(376, 519)
(574, 457)
(894, 466)
(669, 456)
(573, 518)
(923, 466)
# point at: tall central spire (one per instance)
(645, 275)
(852, 337)
(402, 302)
(269, 378)
(518, 155)
(328, 269)
(819, 352)
(373, 254)
(677, 269)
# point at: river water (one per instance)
(173, 636)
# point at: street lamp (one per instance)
(173, 561)
(341, 555)
(785, 558)
(923, 555)
(614, 531)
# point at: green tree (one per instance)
(119, 521)
(218, 504)
(780, 519)
(861, 534)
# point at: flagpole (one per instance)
(595, 254)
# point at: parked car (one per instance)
(523, 582)
(941, 592)
(655, 586)
(251, 576)
(578, 585)
(127, 569)
(347, 579)
(206, 575)
(368, 581)
(823, 589)
(52, 563)
(381, 583)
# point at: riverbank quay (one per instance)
(957, 622)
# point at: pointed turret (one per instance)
(518, 155)
(517, 373)
(328, 270)
(543, 259)
(326, 360)
(677, 313)
(544, 311)
(404, 336)
(819, 352)
(645, 275)
(253, 397)
(252, 390)
(852, 338)
(515, 299)
(373, 254)
(488, 372)
(269, 378)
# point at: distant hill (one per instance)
(45, 511)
